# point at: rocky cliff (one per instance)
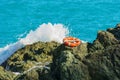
(99, 60)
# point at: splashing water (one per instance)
(44, 33)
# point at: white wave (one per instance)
(45, 33)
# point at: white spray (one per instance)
(44, 33)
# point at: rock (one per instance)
(105, 39)
(103, 62)
(99, 60)
(67, 67)
(115, 31)
(118, 26)
(6, 75)
(28, 56)
(104, 65)
(34, 73)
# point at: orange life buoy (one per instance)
(71, 41)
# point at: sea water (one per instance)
(24, 22)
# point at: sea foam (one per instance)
(44, 33)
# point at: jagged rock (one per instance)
(115, 31)
(99, 60)
(104, 65)
(71, 68)
(105, 39)
(66, 66)
(103, 62)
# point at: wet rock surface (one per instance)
(99, 60)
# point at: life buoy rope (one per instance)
(71, 41)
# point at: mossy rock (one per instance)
(35, 73)
(24, 58)
(99, 60)
(105, 65)
(6, 75)
(67, 63)
(32, 75)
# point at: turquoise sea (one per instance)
(83, 18)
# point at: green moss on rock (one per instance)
(67, 63)
(6, 75)
(24, 58)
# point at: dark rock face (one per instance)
(103, 62)
(67, 63)
(115, 31)
(104, 65)
(99, 60)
